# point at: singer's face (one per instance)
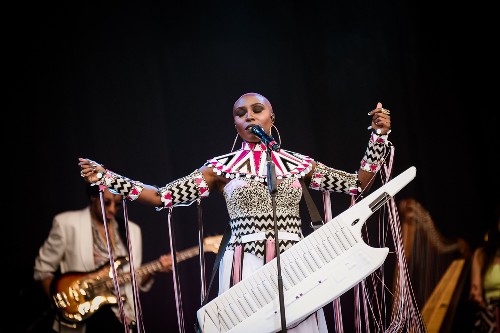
(252, 109)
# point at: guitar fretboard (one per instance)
(153, 267)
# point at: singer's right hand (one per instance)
(89, 169)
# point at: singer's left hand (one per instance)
(381, 120)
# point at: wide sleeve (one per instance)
(51, 252)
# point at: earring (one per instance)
(234, 143)
(276, 129)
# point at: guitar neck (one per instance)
(155, 266)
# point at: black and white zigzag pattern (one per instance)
(335, 180)
(121, 185)
(183, 190)
(264, 223)
(259, 248)
(374, 152)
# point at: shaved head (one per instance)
(262, 99)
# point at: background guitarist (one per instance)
(77, 243)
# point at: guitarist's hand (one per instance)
(166, 266)
(166, 263)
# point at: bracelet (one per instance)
(378, 131)
(100, 174)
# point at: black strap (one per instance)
(316, 220)
(222, 248)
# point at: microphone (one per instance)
(265, 138)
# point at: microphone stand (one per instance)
(272, 187)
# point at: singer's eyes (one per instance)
(240, 112)
(257, 108)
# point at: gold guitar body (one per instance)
(79, 295)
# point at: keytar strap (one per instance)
(222, 248)
(316, 220)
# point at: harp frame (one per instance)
(438, 311)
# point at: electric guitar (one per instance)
(78, 295)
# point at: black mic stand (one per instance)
(272, 187)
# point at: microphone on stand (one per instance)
(265, 138)
(273, 190)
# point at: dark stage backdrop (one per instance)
(146, 88)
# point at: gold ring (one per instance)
(385, 111)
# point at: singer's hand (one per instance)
(381, 120)
(89, 170)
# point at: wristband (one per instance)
(118, 184)
(375, 152)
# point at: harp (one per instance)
(438, 266)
